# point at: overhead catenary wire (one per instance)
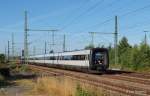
(90, 9)
(101, 23)
(133, 11)
(135, 26)
(122, 15)
(127, 13)
(83, 13)
(106, 6)
(75, 10)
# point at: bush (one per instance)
(23, 68)
(134, 58)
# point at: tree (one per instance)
(144, 56)
(133, 58)
(90, 46)
(123, 45)
(124, 50)
(2, 58)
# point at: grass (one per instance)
(59, 86)
(54, 86)
(18, 67)
(82, 92)
(62, 86)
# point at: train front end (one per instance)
(99, 59)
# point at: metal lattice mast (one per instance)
(116, 40)
(53, 39)
(53, 30)
(93, 33)
(64, 43)
(34, 50)
(45, 50)
(5, 54)
(13, 45)
(145, 38)
(8, 52)
(25, 39)
(45, 47)
(92, 38)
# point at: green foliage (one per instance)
(81, 92)
(2, 61)
(23, 68)
(2, 58)
(90, 46)
(124, 53)
(12, 65)
(132, 58)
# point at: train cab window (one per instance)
(100, 58)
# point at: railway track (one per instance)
(139, 75)
(128, 73)
(129, 78)
(124, 85)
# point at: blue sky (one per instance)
(75, 18)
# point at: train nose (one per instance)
(100, 62)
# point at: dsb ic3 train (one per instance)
(95, 59)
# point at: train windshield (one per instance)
(100, 58)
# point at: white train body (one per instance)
(83, 59)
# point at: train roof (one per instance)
(76, 52)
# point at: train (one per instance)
(95, 59)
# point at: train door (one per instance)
(87, 59)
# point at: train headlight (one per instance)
(100, 62)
